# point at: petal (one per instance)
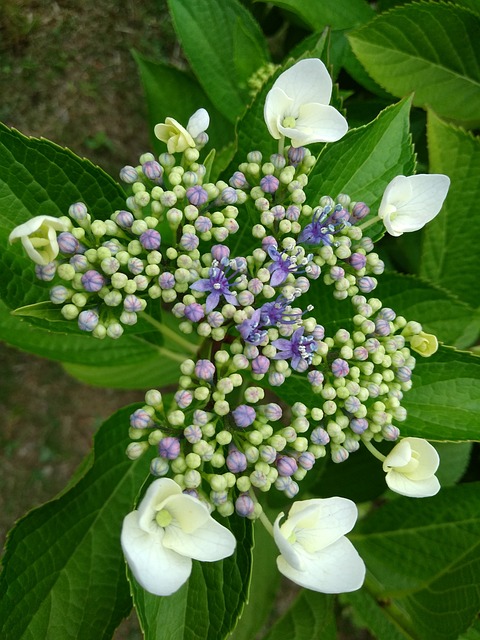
(316, 123)
(188, 512)
(209, 542)
(286, 548)
(278, 276)
(428, 458)
(158, 570)
(399, 456)
(336, 569)
(34, 224)
(212, 301)
(153, 500)
(202, 285)
(283, 344)
(198, 122)
(405, 486)
(307, 81)
(277, 106)
(319, 522)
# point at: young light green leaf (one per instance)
(343, 14)
(209, 604)
(423, 559)
(310, 616)
(364, 161)
(64, 572)
(451, 240)
(224, 61)
(429, 49)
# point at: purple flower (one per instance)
(140, 419)
(92, 281)
(219, 252)
(296, 155)
(124, 219)
(153, 171)
(299, 349)
(236, 461)
(204, 369)
(249, 329)
(244, 415)
(67, 243)
(166, 280)
(340, 368)
(260, 364)
(315, 378)
(150, 239)
(244, 505)
(322, 226)
(194, 312)
(197, 195)
(132, 303)
(217, 284)
(286, 465)
(193, 433)
(275, 313)
(238, 180)
(269, 184)
(272, 411)
(203, 224)
(281, 267)
(359, 211)
(169, 447)
(128, 174)
(227, 196)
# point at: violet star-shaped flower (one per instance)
(281, 267)
(217, 285)
(249, 329)
(322, 227)
(299, 349)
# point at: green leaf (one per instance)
(225, 59)
(454, 459)
(209, 604)
(444, 402)
(473, 633)
(429, 49)
(183, 97)
(64, 572)
(423, 560)
(364, 161)
(451, 240)
(311, 616)
(342, 14)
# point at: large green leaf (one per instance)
(423, 561)
(183, 97)
(64, 572)
(224, 46)
(365, 160)
(311, 616)
(342, 14)
(427, 48)
(451, 240)
(209, 604)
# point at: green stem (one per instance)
(262, 517)
(173, 355)
(365, 225)
(281, 145)
(374, 451)
(169, 333)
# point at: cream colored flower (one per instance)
(410, 467)
(179, 138)
(426, 344)
(297, 106)
(170, 528)
(314, 550)
(39, 238)
(408, 203)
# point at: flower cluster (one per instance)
(225, 435)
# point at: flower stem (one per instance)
(374, 451)
(281, 145)
(365, 225)
(169, 333)
(262, 517)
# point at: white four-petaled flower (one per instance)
(297, 106)
(168, 529)
(410, 467)
(314, 550)
(39, 238)
(179, 138)
(409, 202)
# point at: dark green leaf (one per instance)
(342, 14)
(311, 616)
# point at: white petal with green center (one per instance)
(405, 486)
(153, 500)
(209, 542)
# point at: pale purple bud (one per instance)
(278, 160)
(269, 184)
(337, 273)
(128, 174)
(286, 465)
(79, 262)
(78, 211)
(87, 320)
(339, 455)
(132, 303)
(189, 241)
(228, 196)
(244, 505)
(272, 411)
(292, 489)
(46, 272)
(200, 417)
(194, 312)
(67, 243)
(150, 239)
(340, 368)
(358, 425)
(245, 298)
(352, 404)
(278, 212)
(318, 333)
(197, 195)
(254, 156)
(358, 261)
(387, 314)
(360, 210)
(296, 155)
(218, 497)
(236, 461)
(219, 252)
(135, 266)
(113, 246)
(382, 327)
(319, 436)
(282, 482)
(255, 286)
(215, 319)
(260, 364)
(204, 370)
(238, 180)
(267, 242)
(203, 224)
(92, 281)
(293, 213)
(372, 345)
(404, 374)
(191, 492)
(268, 453)
(306, 460)
(315, 378)
(183, 398)
(159, 467)
(244, 415)
(193, 433)
(169, 447)
(360, 353)
(153, 170)
(276, 379)
(59, 294)
(166, 280)
(366, 284)
(140, 419)
(390, 432)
